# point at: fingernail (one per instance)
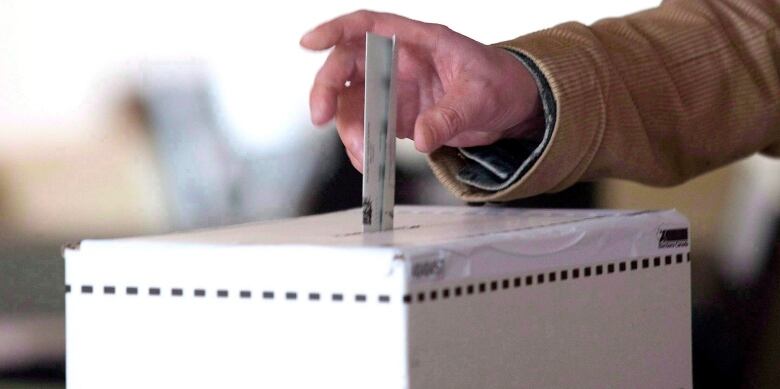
(358, 147)
(316, 115)
(357, 161)
(428, 138)
(304, 38)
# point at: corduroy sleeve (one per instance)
(656, 97)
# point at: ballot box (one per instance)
(452, 297)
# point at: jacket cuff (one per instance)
(495, 167)
(578, 119)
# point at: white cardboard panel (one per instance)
(461, 298)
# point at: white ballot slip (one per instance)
(452, 297)
(379, 134)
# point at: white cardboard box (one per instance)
(452, 298)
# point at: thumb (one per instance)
(451, 115)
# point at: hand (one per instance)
(451, 90)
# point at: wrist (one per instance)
(529, 114)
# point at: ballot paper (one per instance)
(379, 134)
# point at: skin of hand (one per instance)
(451, 90)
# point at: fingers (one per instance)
(349, 123)
(339, 30)
(407, 109)
(451, 115)
(353, 27)
(345, 63)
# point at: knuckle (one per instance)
(365, 19)
(439, 29)
(323, 82)
(450, 119)
(363, 14)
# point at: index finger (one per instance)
(353, 27)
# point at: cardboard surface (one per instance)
(452, 298)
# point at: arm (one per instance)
(656, 97)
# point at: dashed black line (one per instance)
(492, 285)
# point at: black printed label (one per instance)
(671, 238)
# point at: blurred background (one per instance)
(128, 118)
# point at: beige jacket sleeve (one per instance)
(657, 97)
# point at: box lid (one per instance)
(428, 244)
(416, 226)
